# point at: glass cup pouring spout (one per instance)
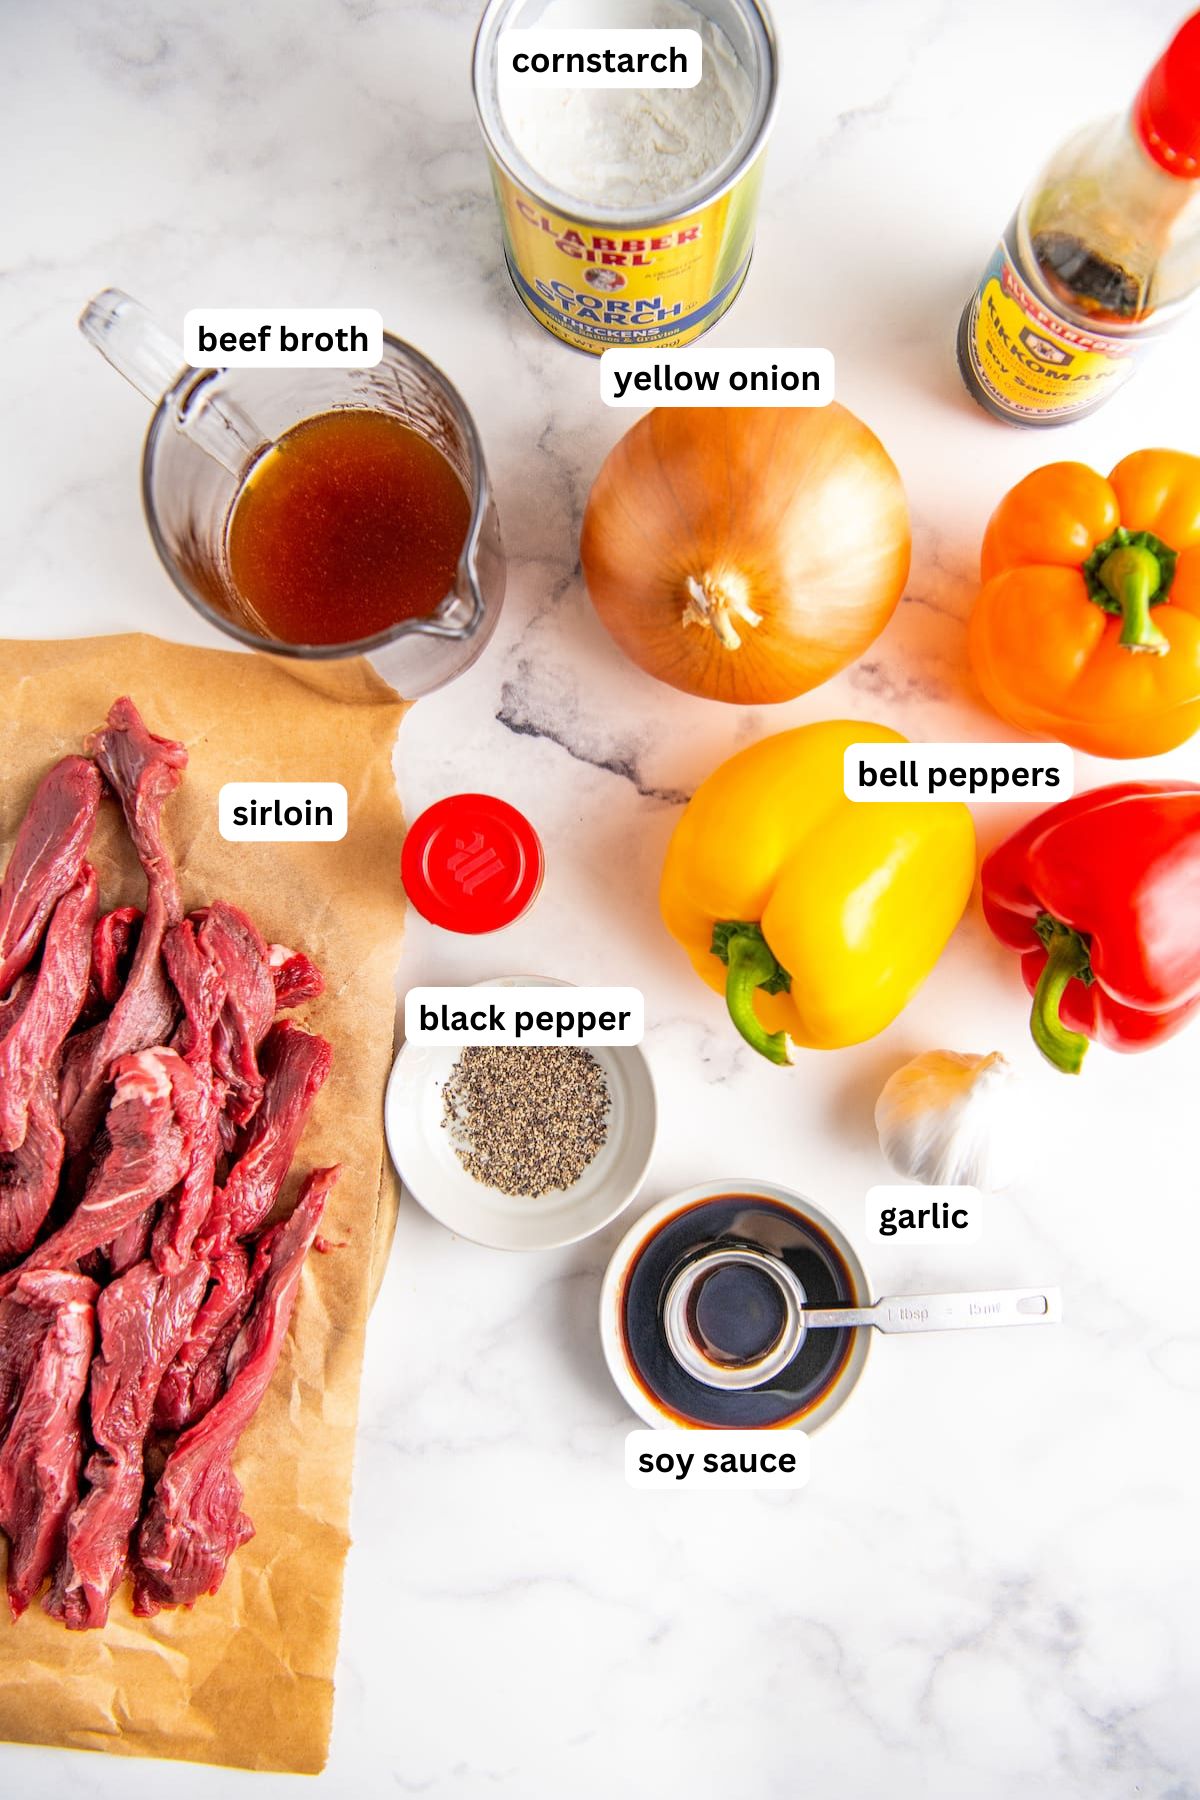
(211, 426)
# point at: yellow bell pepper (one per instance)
(816, 916)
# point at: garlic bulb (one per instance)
(949, 1120)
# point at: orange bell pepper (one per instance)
(1088, 625)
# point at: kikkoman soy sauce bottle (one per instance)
(1103, 254)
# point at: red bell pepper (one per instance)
(1101, 897)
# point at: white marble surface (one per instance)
(989, 1585)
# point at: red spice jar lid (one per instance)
(472, 863)
(1167, 111)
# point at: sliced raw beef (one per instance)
(15, 1001)
(233, 944)
(296, 977)
(201, 988)
(131, 1244)
(40, 1461)
(31, 1046)
(138, 1060)
(29, 1176)
(195, 1521)
(141, 1319)
(144, 771)
(208, 1382)
(114, 940)
(294, 1063)
(46, 859)
(149, 1129)
(25, 1316)
(195, 1378)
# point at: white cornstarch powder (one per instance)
(630, 147)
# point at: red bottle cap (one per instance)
(1166, 114)
(472, 863)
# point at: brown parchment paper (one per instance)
(246, 1677)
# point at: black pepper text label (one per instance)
(459, 1016)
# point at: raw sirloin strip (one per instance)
(114, 940)
(46, 859)
(40, 1461)
(235, 946)
(25, 1314)
(142, 1320)
(149, 1129)
(196, 1376)
(32, 1044)
(295, 1064)
(198, 981)
(194, 1521)
(143, 771)
(29, 1176)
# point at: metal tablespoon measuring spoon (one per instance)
(734, 1316)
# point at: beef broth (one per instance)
(350, 524)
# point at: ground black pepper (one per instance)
(526, 1121)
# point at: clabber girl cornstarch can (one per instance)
(592, 265)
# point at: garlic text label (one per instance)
(937, 1215)
(599, 57)
(786, 377)
(291, 337)
(454, 1016)
(980, 772)
(717, 1461)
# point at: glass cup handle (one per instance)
(135, 344)
(137, 347)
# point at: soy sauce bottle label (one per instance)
(1028, 364)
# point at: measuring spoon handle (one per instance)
(945, 1312)
(967, 1312)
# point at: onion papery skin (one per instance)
(797, 514)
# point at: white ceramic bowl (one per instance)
(627, 1252)
(426, 1162)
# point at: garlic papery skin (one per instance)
(947, 1119)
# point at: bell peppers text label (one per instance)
(981, 772)
(276, 812)
(599, 57)
(716, 377)
(937, 1215)
(453, 1016)
(717, 1461)
(291, 337)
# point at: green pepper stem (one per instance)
(1067, 960)
(752, 965)
(1133, 575)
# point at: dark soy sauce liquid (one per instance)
(737, 1313)
(741, 1317)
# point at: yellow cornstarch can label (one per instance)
(596, 286)
(600, 276)
(1025, 361)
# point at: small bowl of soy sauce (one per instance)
(698, 1305)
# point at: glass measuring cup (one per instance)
(211, 426)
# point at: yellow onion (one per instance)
(746, 554)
